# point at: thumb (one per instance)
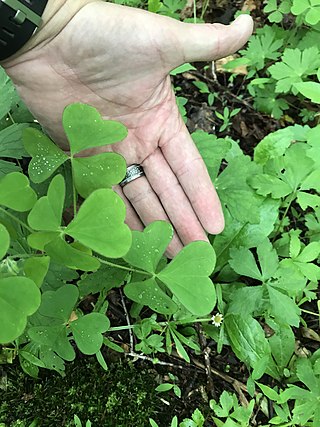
(206, 42)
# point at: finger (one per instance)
(207, 42)
(190, 170)
(173, 198)
(148, 207)
(132, 219)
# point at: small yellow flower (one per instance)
(217, 319)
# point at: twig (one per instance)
(155, 361)
(128, 320)
(206, 354)
(237, 385)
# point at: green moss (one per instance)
(122, 397)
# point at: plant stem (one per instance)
(293, 196)
(194, 11)
(16, 219)
(122, 267)
(310, 312)
(178, 322)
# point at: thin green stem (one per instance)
(11, 118)
(74, 191)
(195, 11)
(122, 267)
(16, 219)
(310, 312)
(164, 324)
(293, 196)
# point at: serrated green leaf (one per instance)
(295, 66)
(268, 259)
(100, 225)
(309, 253)
(85, 128)
(46, 156)
(19, 298)
(187, 277)
(7, 93)
(282, 344)
(242, 261)
(16, 193)
(4, 241)
(87, 332)
(283, 308)
(212, 150)
(247, 338)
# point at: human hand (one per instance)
(118, 60)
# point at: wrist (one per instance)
(56, 16)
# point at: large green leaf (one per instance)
(187, 277)
(16, 193)
(60, 303)
(47, 212)
(46, 156)
(99, 171)
(100, 225)
(36, 269)
(242, 262)
(148, 246)
(247, 338)
(149, 293)
(64, 254)
(85, 128)
(19, 298)
(4, 241)
(310, 90)
(7, 93)
(87, 332)
(11, 142)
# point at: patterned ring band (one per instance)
(133, 172)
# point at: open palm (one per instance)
(117, 59)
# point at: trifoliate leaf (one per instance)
(187, 277)
(19, 298)
(16, 193)
(150, 294)
(149, 246)
(46, 156)
(100, 225)
(85, 128)
(46, 214)
(4, 241)
(87, 332)
(62, 253)
(36, 269)
(310, 7)
(99, 171)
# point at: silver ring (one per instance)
(133, 172)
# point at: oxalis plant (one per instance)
(40, 317)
